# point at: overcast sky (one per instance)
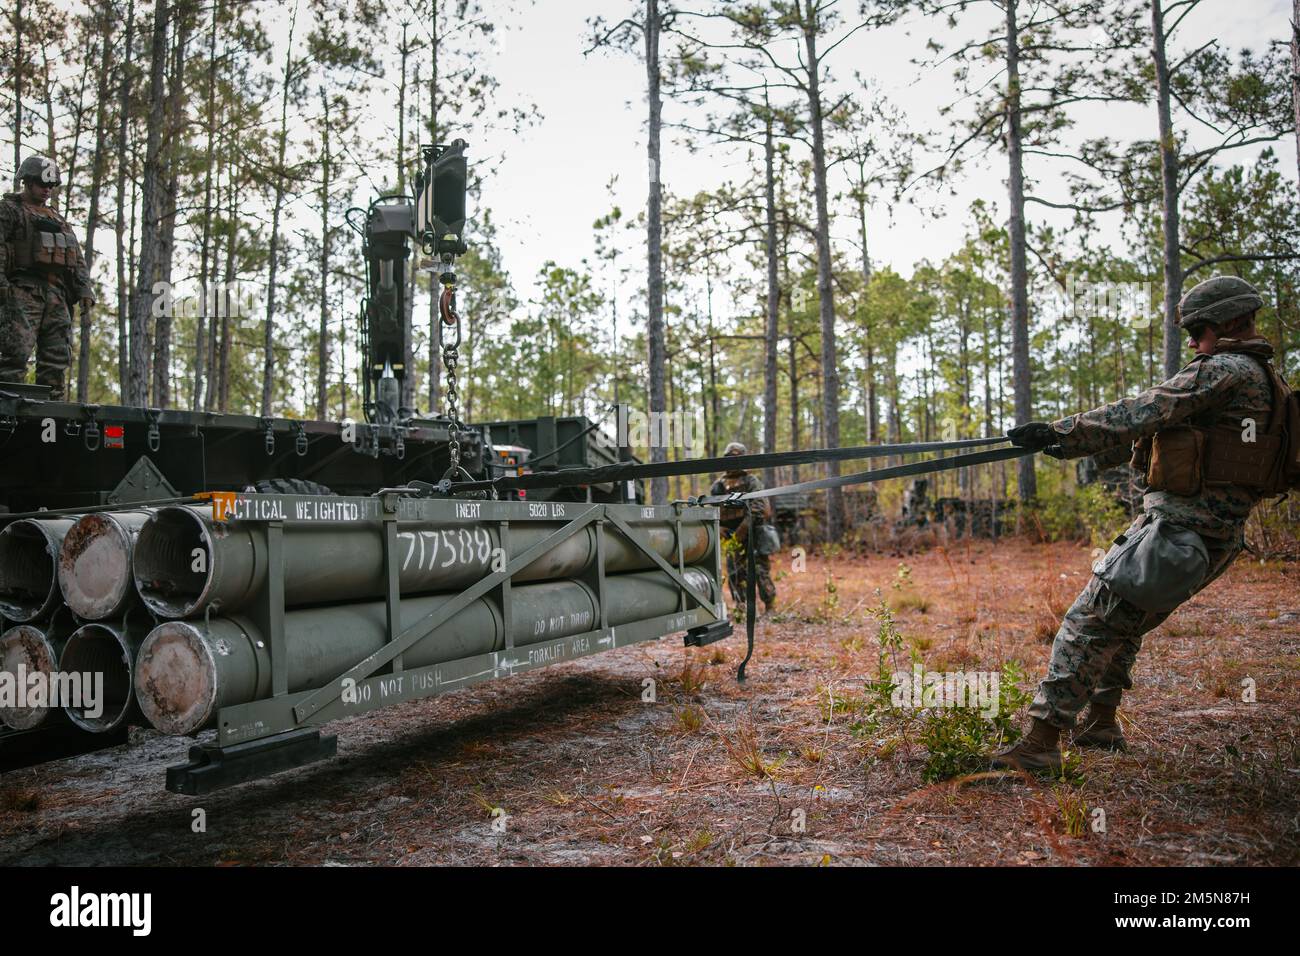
(551, 186)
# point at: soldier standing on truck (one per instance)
(735, 528)
(1209, 445)
(42, 271)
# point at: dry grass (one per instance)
(909, 600)
(716, 773)
(745, 748)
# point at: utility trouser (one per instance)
(736, 575)
(1099, 639)
(36, 318)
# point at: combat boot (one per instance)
(1100, 729)
(1040, 749)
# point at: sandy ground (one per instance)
(568, 765)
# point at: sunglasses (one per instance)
(1197, 332)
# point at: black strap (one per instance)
(926, 467)
(750, 589)
(629, 471)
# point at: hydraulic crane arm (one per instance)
(433, 221)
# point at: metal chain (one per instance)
(450, 359)
(450, 362)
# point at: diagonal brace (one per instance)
(676, 575)
(422, 628)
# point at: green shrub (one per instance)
(961, 740)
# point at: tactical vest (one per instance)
(1184, 459)
(42, 244)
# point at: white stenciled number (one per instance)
(484, 544)
(409, 536)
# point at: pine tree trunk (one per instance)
(412, 274)
(869, 372)
(712, 401)
(207, 293)
(1173, 267)
(282, 142)
(1295, 75)
(151, 212)
(825, 289)
(435, 326)
(1021, 368)
(654, 247)
(323, 347)
(232, 236)
(212, 392)
(772, 331)
(162, 362)
(18, 32)
(793, 359)
(123, 111)
(96, 184)
(404, 52)
(988, 384)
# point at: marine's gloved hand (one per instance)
(1035, 435)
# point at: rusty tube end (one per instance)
(29, 647)
(171, 545)
(95, 567)
(176, 679)
(28, 582)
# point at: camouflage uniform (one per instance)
(36, 297)
(1099, 639)
(732, 519)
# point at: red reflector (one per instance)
(114, 431)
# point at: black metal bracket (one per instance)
(708, 634)
(90, 435)
(153, 436)
(213, 768)
(300, 441)
(268, 427)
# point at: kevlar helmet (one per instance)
(1218, 301)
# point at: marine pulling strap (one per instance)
(751, 586)
(929, 466)
(631, 471)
